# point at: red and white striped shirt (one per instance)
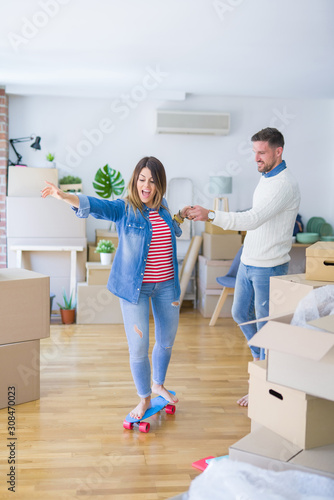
(159, 264)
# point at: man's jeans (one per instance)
(251, 298)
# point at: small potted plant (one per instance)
(70, 184)
(50, 159)
(106, 249)
(67, 310)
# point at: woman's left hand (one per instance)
(185, 212)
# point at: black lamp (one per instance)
(36, 145)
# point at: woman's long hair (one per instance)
(159, 177)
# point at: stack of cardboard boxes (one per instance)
(25, 319)
(36, 223)
(219, 250)
(95, 304)
(291, 394)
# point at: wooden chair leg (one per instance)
(223, 296)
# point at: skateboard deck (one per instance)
(157, 404)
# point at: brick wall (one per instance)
(3, 174)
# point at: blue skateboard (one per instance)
(157, 404)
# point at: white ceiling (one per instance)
(266, 48)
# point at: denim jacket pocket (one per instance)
(133, 227)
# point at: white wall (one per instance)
(63, 124)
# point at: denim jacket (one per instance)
(134, 233)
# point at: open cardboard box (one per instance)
(300, 358)
(264, 448)
(286, 291)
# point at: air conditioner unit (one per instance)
(192, 122)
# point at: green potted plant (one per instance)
(106, 249)
(70, 184)
(67, 310)
(50, 160)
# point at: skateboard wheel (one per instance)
(127, 425)
(144, 426)
(170, 409)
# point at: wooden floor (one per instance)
(71, 443)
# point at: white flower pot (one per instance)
(106, 258)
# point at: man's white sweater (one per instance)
(269, 223)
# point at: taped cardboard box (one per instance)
(264, 448)
(207, 301)
(19, 372)
(42, 218)
(298, 417)
(24, 305)
(213, 229)
(221, 246)
(298, 357)
(96, 305)
(320, 261)
(97, 274)
(209, 270)
(286, 291)
(29, 181)
(103, 234)
(92, 255)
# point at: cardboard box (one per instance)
(221, 246)
(207, 301)
(300, 358)
(96, 305)
(103, 234)
(292, 414)
(42, 218)
(97, 274)
(92, 255)
(209, 270)
(24, 305)
(320, 261)
(286, 292)
(20, 368)
(317, 460)
(266, 449)
(213, 229)
(29, 181)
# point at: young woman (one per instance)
(145, 265)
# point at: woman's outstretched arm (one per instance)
(55, 192)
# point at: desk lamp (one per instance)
(36, 145)
(220, 185)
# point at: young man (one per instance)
(269, 225)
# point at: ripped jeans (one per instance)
(251, 298)
(136, 323)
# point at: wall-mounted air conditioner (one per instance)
(192, 122)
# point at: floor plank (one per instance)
(71, 443)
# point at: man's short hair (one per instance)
(273, 136)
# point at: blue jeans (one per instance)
(251, 298)
(136, 323)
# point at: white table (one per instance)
(73, 249)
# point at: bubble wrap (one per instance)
(234, 480)
(316, 304)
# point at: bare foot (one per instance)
(160, 389)
(139, 411)
(243, 401)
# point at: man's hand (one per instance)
(197, 213)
